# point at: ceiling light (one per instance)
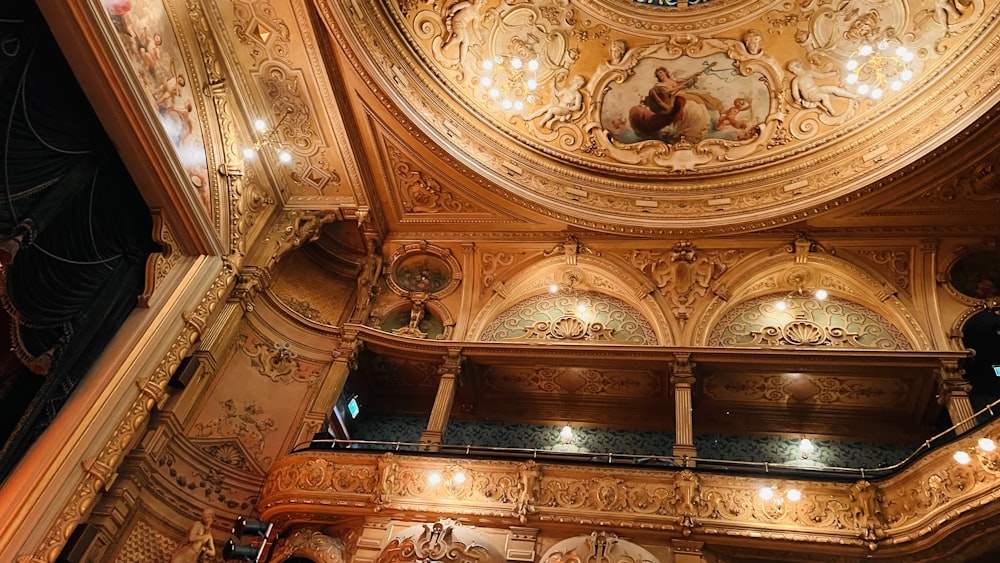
(766, 493)
(434, 478)
(269, 137)
(793, 495)
(875, 67)
(458, 477)
(962, 457)
(510, 81)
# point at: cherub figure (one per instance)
(461, 25)
(568, 101)
(727, 117)
(150, 53)
(169, 89)
(807, 93)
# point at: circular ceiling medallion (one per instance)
(722, 116)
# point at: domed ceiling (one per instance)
(672, 116)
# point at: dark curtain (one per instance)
(74, 232)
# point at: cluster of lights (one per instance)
(269, 138)
(984, 445)
(434, 478)
(510, 81)
(819, 294)
(771, 493)
(873, 69)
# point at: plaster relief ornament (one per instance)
(462, 24)
(809, 94)
(566, 103)
(598, 547)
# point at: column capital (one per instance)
(250, 281)
(682, 369)
(348, 349)
(452, 363)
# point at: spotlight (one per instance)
(247, 552)
(962, 457)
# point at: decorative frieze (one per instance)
(920, 502)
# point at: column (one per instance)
(438, 423)
(332, 385)
(953, 393)
(682, 378)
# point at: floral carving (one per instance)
(810, 389)
(895, 264)
(575, 380)
(866, 513)
(228, 453)
(685, 274)
(276, 362)
(492, 263)
(567, 328)
(437, 542)
(807, 322)
(239, 419)
(577, 315)
(313, 544)
(303, 308)
(421, 193)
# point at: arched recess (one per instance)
(972, 278)
(310, 545)
(444, 541)
(884, 320)
(436, 322)
(598, 546)
(612, 297)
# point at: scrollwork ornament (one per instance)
(112, 453)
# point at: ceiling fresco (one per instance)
(644, 119)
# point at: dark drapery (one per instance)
(74, 232)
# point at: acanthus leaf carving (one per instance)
(421, 193)
(684, 275)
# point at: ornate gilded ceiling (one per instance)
(754, 122)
